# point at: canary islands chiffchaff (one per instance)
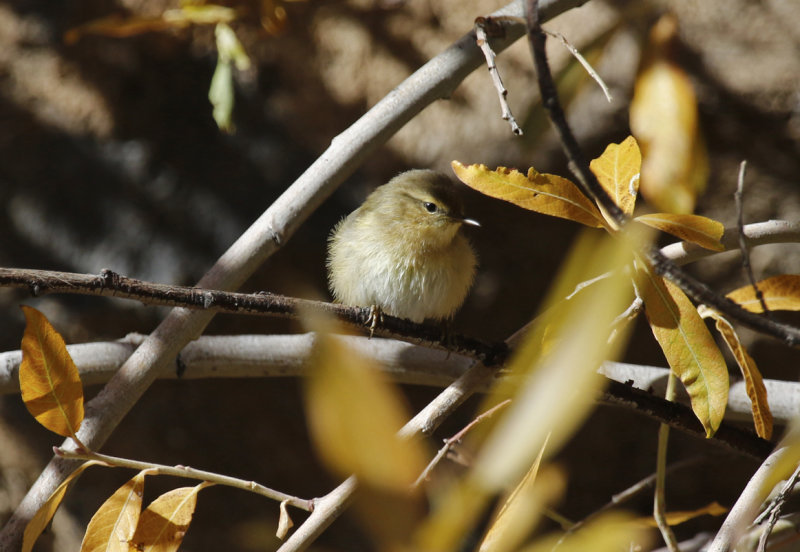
(402, 251)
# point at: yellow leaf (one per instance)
(521, 510)
(681, 516)
(754, 384)
(618, 171)
(544, 193)
(164, 523)
(46, 512)
(48, 378)
(353, 415)
(688, 346)
(610, 532)
(113, 525)
(664, 119)
(703, 231)
(780, 293)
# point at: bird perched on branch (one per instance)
(402, 250)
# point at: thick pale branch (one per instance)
(260, 356)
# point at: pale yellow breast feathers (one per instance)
(402, 250)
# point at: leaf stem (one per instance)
(659, 501)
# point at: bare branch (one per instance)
(582, 60)
(481, 24)
(110, 283)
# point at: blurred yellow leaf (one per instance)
(610, 532)
(454, 514)
(273, 16)
(664, 119)
(116, 26)
(682, 516)
(551, 393)
(618, 170)
(164, 523)
(46, 512)
(754, 384)
(688, 346)
(206, 14)
(558, 389)
(48, 378)
(780, 293)
(544, 193)
(112, 526)
(521, 510)
(703, 231)
(353, 416)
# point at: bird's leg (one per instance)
(375, 319)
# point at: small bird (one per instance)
(401, 251)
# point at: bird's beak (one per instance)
(471, 222)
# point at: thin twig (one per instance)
(189, 473)
(582, 60)
(659, 499)
(448, 443)
(627, 494)
(746, 265)
(109, 283)
(589, 184)
(481, 23)
(774, 510)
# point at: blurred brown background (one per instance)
(109, 158)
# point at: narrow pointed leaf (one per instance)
(544, 193)
(112, 527)
(521, 510)
(164, 523)
(753, 382)
(353, 416)
(48, 378)
(780, 293)
(681, 516)
(618, 171)
(703, 231)
(46, 512)
(688, 347)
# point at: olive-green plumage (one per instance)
(402, 251)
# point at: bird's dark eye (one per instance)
(430, 207)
